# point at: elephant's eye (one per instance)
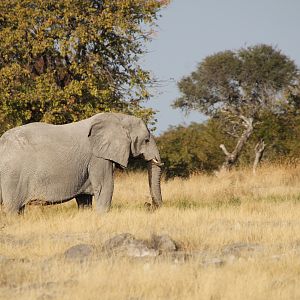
(147, 141)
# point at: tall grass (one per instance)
(203, 214)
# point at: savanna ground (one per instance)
(243, 233)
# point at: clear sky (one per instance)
(189, 30)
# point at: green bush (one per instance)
(186, 150)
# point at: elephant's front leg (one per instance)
(101, 177)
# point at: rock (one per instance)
(163, 243)
(126, 244)
(241, 249)
(213, 261)
(178, 257)
(118, 241)
(140, 250)
(79, 252)
(46, 297)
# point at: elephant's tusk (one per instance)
(157, 162)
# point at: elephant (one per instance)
(49, 164)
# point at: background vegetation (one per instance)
(65, 60)
(250, 95)
(196, 148)
(62, 61)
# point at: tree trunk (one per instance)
(259, 152)
(231, 158)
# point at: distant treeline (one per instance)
(196, 148)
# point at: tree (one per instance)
(192, 149)
(64, 60)
(238, 88)
(195, 148)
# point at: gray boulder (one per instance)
(127, 245)
(163, 243)
(79, 252)
(238, 251)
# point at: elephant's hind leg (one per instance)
(12, 197)
(84, 201)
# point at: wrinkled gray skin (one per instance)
(49, 164)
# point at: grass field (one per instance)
(242, 233)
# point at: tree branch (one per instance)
(259, 151)
(222, 146)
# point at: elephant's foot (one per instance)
(151, 206)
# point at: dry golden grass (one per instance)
(204, 214)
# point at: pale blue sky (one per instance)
(189, 30)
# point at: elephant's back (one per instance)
(43, 134)
(34, 136)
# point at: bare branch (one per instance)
(232, 157)
(260, 146)
(248, 122)
(222, 146)
(232, 134)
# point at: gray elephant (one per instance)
(52, 164)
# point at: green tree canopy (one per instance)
(243, 82)
(240, 88)
(64, 60)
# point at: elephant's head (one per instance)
(114, 136)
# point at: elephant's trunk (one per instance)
(154, 176)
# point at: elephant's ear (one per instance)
(109, 139)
